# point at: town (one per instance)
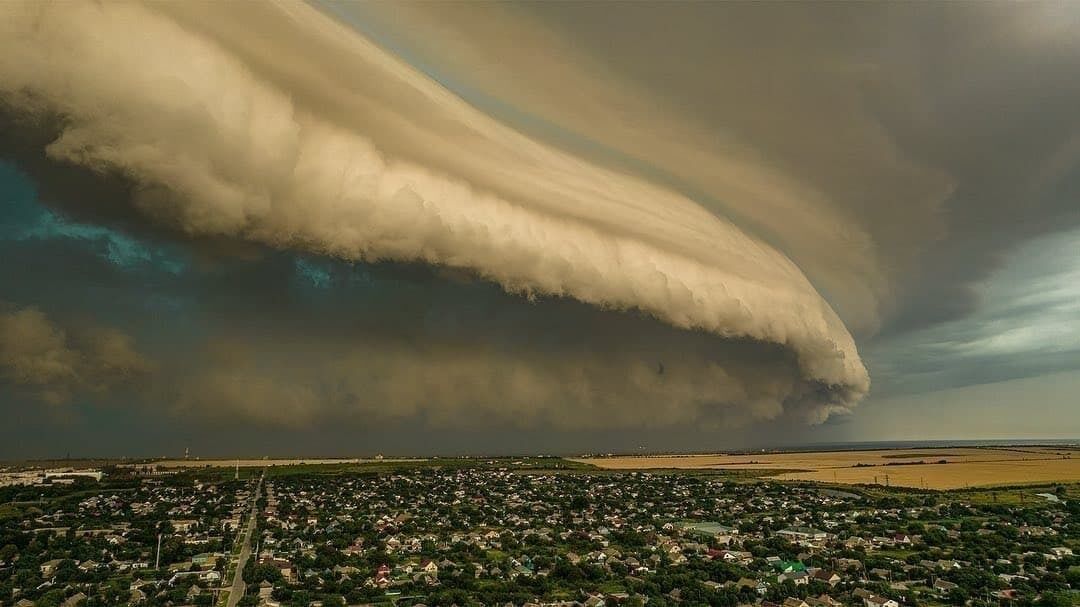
(498, 533)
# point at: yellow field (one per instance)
(963, 467)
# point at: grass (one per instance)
(9, 511)
(1015, 495)
(896, 554)
(611, 587)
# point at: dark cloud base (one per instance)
(301, 346)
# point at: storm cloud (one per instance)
(215, 147)
(52, 364)
(540, 215)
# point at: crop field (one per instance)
(943, 468)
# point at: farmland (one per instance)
(941, 468)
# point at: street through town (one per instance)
(237, 588)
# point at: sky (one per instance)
(348, 228)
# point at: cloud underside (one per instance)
(428, 349)
(41, 358)
(462, 385)
(382, 164)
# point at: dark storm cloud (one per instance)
(281, 340)
(897, 153)
(425, 218)
(228, 147)
(51, 363)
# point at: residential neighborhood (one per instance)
(496, 535)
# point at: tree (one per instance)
(1054, 599)
(1072, 577)
(958, 596)
(8, 552)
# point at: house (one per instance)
(828, 577)
(880, 601)
(74, 600)
(49, 567)
(944, 586)
(183, 526)
(802, 534)
(210, 576)
(288, 573)
(872, 600)
(788, 566)
(823, 601)
(594, 601)
(854, 542)
(736, 556)
(752, 584)
(794, 602)
(799, 578)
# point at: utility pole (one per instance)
(157, 561)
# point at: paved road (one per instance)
(238, 585)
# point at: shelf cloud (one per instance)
(364, 158)
(541, 215)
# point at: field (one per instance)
(943, 468)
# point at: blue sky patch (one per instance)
(25, 218)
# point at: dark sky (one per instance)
(344, 229)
